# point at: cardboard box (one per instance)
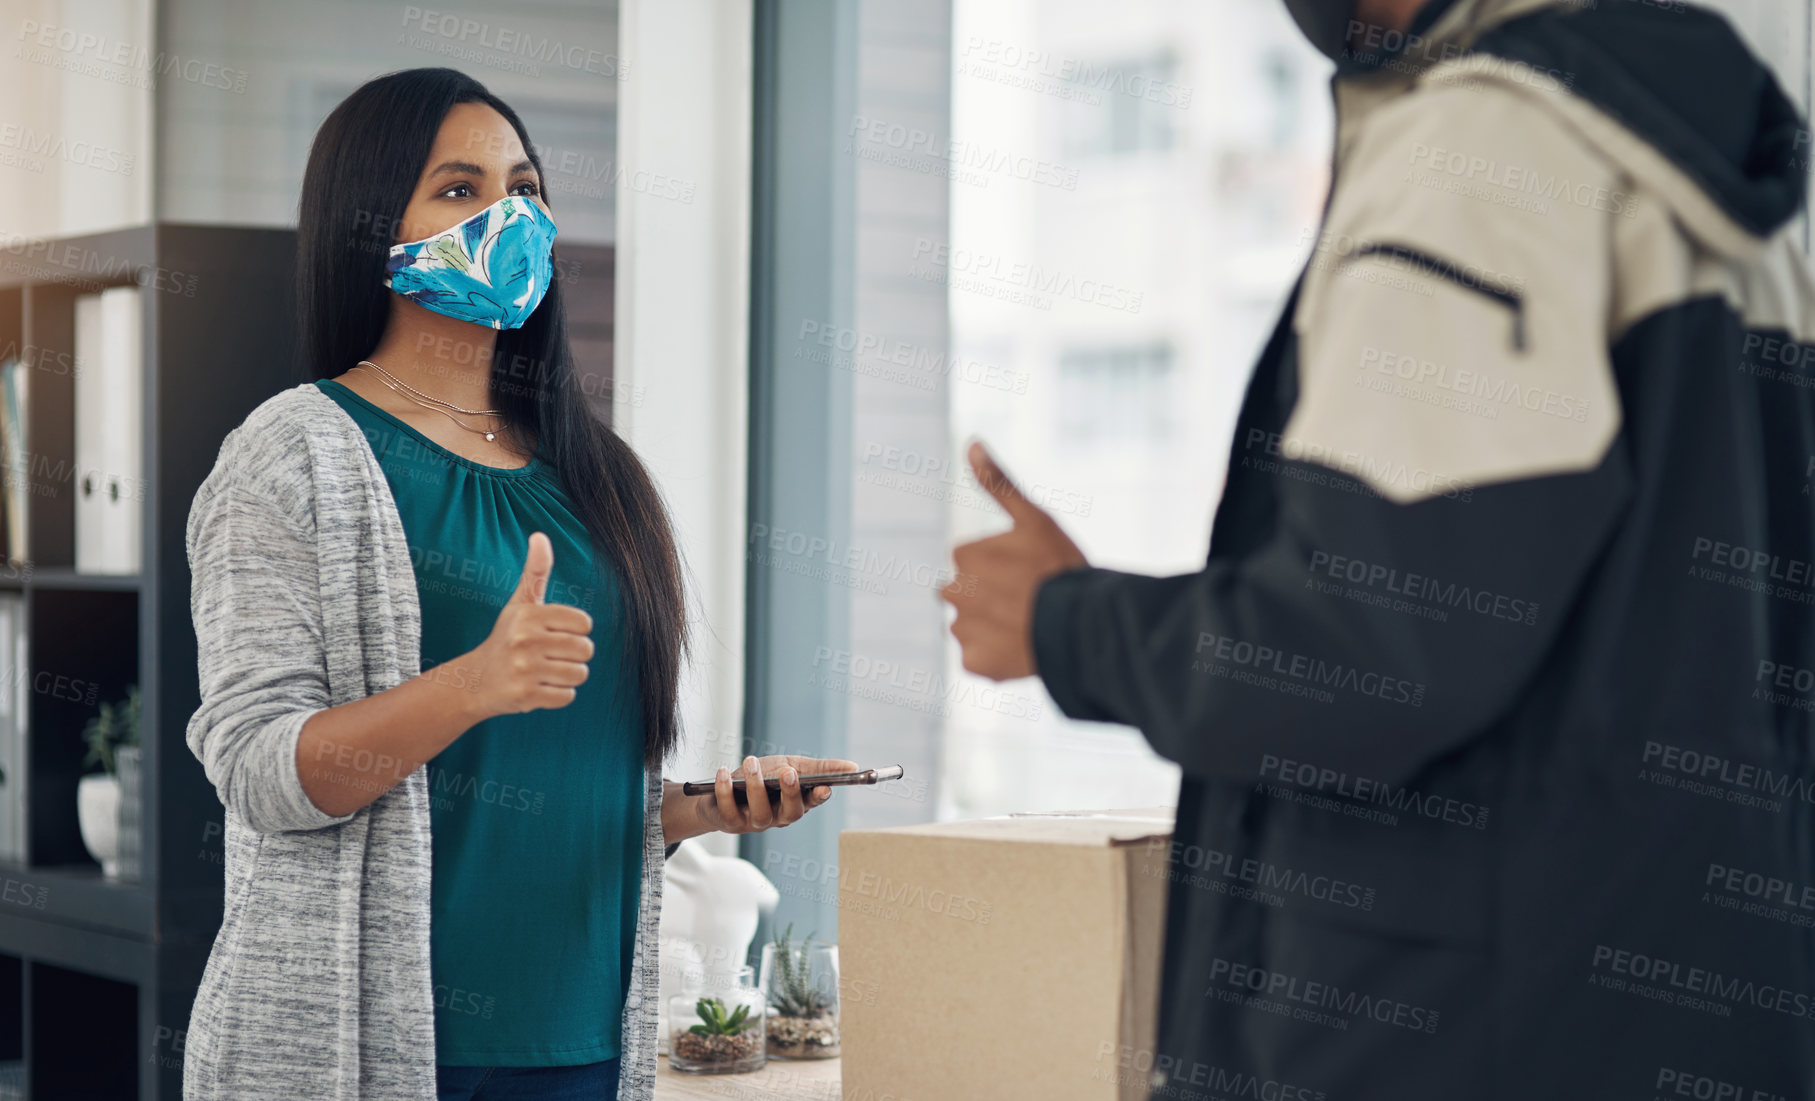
(1013, 957)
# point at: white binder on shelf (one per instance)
(13, 701)
(109, 412)
(15, 483)
(6, 461)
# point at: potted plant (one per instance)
(111, 735)
(801, 983)
(726, 1036)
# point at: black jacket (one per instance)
(1493, 700)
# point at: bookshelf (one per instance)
(98, 975)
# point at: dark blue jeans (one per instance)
(590, 1082)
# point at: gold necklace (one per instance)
(443, 412)
(429, 397)
(418, 397)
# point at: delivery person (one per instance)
(1493, 701)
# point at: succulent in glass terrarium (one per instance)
(801, 983)
(714, 1020)
(721, 1040)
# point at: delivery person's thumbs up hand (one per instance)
(998, 576)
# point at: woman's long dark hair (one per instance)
(363, 167)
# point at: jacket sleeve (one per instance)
(1449, 473)
(255, 594)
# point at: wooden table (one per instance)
(781, 1080)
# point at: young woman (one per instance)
(440, 623)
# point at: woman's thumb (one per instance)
(536, 568)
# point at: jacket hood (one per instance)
(1695, 113)
(1681, 78)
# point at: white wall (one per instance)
(234, 151)
(75, 115)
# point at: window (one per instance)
(1076, 260)
(1119, 396)
(1132, 304)
(1117, 109)
(1282, 82)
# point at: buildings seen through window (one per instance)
(1117, 108)
(1119, 396)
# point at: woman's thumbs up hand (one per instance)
(536, 654)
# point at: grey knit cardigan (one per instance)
(304, 598)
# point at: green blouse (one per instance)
(537, 817)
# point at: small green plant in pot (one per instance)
(801, 982)
(722, 1040)
(715, 1022)
(111, 734)
(114, 727)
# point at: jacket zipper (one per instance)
(1443, 269)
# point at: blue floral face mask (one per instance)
(491, 269)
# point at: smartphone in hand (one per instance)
(807, 783)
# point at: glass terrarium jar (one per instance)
(800, 981)
(716, 1027)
